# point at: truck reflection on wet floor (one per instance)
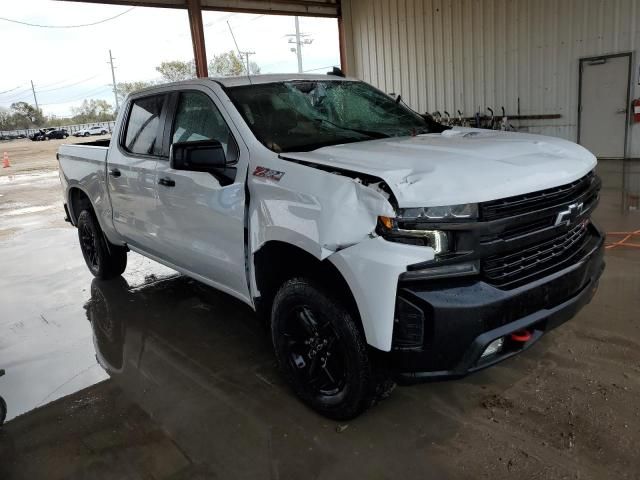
(201, 365)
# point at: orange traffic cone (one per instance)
(5, 160)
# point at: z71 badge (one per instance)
(267, 173)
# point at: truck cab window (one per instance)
(143, 126)
(197, 118)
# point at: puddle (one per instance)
(28, 177)
(12, 205)
(26, 210)
(46, 340)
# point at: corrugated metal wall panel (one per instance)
(470, 54)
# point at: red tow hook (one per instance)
(521, 336)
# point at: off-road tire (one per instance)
(3, 411)
(362, 384)
(104, 259)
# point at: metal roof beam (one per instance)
(309, 8)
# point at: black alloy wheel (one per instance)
(315, 351)
(104, 259)
(89, 247)
(321, 350)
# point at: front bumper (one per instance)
(461, 317)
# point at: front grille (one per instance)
(512, 206)
(510, 268)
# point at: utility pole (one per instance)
(35, 99)
(298, 45)
(241, 54)
(113, 77)
(246, 54)
(299, 41)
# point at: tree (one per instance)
(177, 70)
(125, 88)
(93, 111)
(6, 120)
(25, 115)
(230, 64)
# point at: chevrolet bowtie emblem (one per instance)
(570, 215)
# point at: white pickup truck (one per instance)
(377, 244)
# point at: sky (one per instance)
(68, 65)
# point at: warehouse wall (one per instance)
(470, 54)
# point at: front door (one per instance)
(603, 105)
(201, 216)
(132, 172)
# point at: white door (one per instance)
(200, 216)
(132, 172)
(604, 103)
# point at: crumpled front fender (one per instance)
(371, 268)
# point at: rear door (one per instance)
(201, 216)
(131, 170)
(603, 105)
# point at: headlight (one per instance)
(465, 211)
(412, 225)
(436, 239)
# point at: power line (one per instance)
(66, 26)
(56, 83)
(241, 53)
(80, 97)
(19, 93)
(67, 86)
(11, 90)
(23, 97)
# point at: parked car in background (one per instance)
(57, 133)
(40, 134)
(97, 130)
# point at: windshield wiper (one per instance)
(368, 133)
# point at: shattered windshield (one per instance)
(303, 115)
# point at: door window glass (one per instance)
(143, 126)
(197, 118)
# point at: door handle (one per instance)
(167, 182)
(621, 110)
(114, 172)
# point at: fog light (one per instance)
(493, 347)
(408, 326)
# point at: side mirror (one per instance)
(201, 156)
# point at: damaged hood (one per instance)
(461, 165)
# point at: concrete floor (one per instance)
(157, 376)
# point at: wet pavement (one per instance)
(157, 376)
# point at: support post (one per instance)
(341, 40)
(197, 37)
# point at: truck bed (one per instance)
(84, 166)
(92, 152)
